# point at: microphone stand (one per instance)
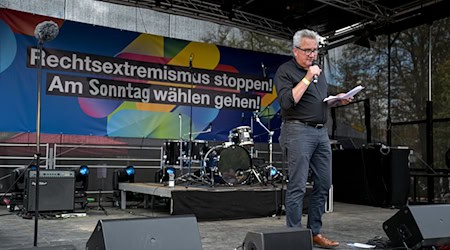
(190, 123)
(38, 139)
(44, 32)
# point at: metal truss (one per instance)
(374, 15)
(207, 11)
(366, 8)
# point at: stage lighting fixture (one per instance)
(364, 42)
(167, 172)
(81, 178)
(273, 173)
(365, 39)
(18, 177)
(130, 171)
(83, 170)
(123, 175)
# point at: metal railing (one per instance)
(111, 156)
(14, 155)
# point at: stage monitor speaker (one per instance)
(157, 233)
(285, 238)
(56, 190)
(419, 226)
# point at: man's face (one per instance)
(306, 52)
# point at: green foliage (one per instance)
(236, 38)
(409, 81)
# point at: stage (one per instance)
(348, 223)
(214, 203)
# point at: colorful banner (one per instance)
(109, 82)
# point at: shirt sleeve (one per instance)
(284, 86)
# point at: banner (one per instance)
(108, 82)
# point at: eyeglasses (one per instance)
(308, 51)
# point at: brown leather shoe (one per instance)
(320, 241)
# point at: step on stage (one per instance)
(215, 203)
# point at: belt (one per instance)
(314, 125)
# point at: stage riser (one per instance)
(216, 203)
(237, 204)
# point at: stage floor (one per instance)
(348, 223)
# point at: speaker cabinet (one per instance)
(397, 176)
(285, 238)
(419, 226)
(374, 176)
(56, 190)
(157, 233)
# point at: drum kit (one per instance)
(229, 164)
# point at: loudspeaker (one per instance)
(375, 176)
(157, 233)
(285, 238)
(419, 226)
(56, 190)
(397, 178)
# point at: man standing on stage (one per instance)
(301, 89)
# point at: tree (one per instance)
(237, 38)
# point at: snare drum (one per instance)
(241, 136)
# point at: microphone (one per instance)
(316, 77)
(46, 31)
(263, 69)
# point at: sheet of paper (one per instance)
(347, 95)
(361, 245)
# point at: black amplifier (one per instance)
(56, 190)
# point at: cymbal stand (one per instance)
(252, 148)
(180, 149)
(270, 166)
(188, 177)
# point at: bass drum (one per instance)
(233, 162)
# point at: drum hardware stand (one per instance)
(280, 206)
(254, 173)
(252, 148)
(188, 177)
(270, 166)
(180, 148)
(211, 178)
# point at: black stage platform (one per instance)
(215, 203)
